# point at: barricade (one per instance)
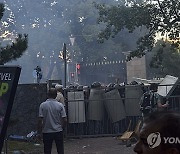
(103, 111)
(91, 111)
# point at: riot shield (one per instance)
(132, 99)
(114, 105)
(76, 107)
(95, 105)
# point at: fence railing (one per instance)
(104, 111)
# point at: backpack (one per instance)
(147, 103)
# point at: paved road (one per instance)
(100, 145)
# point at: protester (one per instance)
(52, 121)
(160, 134)
(151, 101)
(38, 73)
(60, 97)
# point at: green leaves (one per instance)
(1, 10)
(166, 58)
(15, 50)
(158, 17)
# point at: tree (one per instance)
(39, 20)
(81, 17)
(156, 16)
(49, 24)
(165, 59)
(15, 49)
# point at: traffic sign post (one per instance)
(78, 66)
(65, 64)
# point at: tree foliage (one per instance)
(1, 10)
(166, 58)
(158, 17)
(49, 24)
(16, 48)
(13, 51)
(81, 17)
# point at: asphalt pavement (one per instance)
(98, 145)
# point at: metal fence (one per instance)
(107, 111)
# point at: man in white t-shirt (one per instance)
(52, 120)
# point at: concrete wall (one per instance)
(24, 113)
(136, 68)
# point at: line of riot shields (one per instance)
(108, 109)
(102, 110)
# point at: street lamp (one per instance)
(73, 67)
(64, 53)
(65, 64)
(72, 39)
